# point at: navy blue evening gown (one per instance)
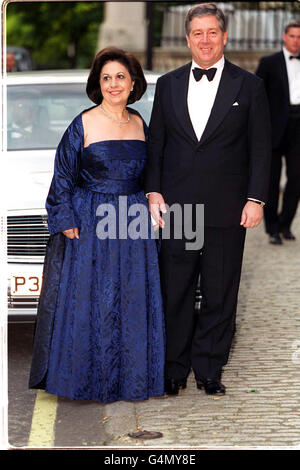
(100, 326)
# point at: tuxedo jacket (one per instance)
(230, 162)
(272, 69)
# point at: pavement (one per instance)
(261, 408)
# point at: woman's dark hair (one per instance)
(125, 58)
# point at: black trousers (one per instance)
(201, 341)
(276, 220)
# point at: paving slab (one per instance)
(261, 408)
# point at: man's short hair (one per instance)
(204, 9)
(292, 24)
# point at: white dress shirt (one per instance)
(293, 72)
(201, 96)
(200, 100)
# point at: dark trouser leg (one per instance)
(179, 274)
(291, 193)
(220, 272)
(271, 208)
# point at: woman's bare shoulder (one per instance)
(89, 114)
(136, 117)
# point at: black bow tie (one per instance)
(198, 73)
(294, 57)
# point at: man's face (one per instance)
(291, 40)
(206, 40)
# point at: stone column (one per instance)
(124, 26)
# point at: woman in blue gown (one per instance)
(100, 328)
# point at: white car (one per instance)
(40, 106)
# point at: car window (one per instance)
(38, 115)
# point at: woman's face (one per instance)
(115, 83)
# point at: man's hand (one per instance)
(71, 233)
(156, 206)
(252, 215)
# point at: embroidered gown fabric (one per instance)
(100, 328)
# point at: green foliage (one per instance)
(58, 34)
(64, 34)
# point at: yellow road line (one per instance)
(43, 420)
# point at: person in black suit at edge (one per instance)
(281, 74)
(210, 144)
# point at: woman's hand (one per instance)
(71, 233)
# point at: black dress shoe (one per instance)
(211, 386)
(275, 239)
(287, 234)
(172, 386)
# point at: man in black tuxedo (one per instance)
(281, 74)
(208, 144)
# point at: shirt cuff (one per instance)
(256, 200)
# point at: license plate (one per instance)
(23, 285)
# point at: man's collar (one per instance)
(217, 65)
(287, 53)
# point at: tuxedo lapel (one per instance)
(180, 85)
(282, 72)
(228, 89)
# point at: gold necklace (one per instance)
(113, 119)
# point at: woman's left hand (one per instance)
(72, 233)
